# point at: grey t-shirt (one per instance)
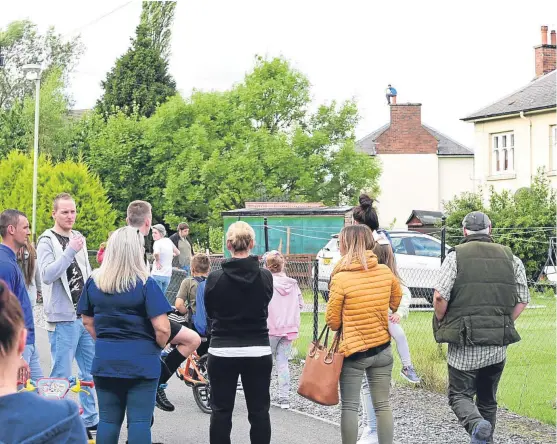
(185, 252)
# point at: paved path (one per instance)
(188, 425)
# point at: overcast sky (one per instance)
(454, 58)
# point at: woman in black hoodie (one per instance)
(237, 299)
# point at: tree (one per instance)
(119, 155)
(95, 215)
(157, 18)
(139, 81)
(21, 43)
(523, 221)
(17, 123)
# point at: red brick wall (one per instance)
(545, 59)
(406, 135)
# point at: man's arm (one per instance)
(521, 287)
(444, 286)
(440, 305)
(51, 268)
(518, 309)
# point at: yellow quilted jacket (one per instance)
(359, 302)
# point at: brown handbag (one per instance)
(321, 373)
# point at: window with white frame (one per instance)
(502, 156)
(553, 148)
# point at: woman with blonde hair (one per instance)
(361, 293)
(237, 299)
(125, 311)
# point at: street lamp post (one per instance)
(33, 72)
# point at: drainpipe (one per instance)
(529, 145)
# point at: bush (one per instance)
(95, 217)
(523, 221)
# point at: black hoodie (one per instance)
(237, 300)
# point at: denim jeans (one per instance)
(70, 341)
(482, 383)
(162, 281)
(378, 370)
(281, 348)
(119, 396)
(31, 356)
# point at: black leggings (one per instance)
(256, 379)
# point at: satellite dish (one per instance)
(522, 191)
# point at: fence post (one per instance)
(315, 299)
(443, 237)
(266, 230)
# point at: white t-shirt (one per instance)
(165, 248)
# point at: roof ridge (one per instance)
(522, 88)
(427, 127)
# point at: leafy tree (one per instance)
(157, 18)
(523, 221)
(95, 215)
(21, 43)
(119, 155)
(17, 129)
(139, 81)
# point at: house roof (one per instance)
(77, 113)
(426, 217)
(307, 211)
(536, 95)
(445, 146)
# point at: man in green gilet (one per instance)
(480, 292)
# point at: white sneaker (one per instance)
(284, 405)
(368, 438)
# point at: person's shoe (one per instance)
(410, 375)
(162, 401)
(284, 404)
(481, 433)
(368, 437)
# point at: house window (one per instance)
(503, 153)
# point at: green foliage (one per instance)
(119, 155)
(214, 151)
(157, 18)
(17, 123)
(21, 44)
(524, 221)
(139, 81)
(216, 236)
(95, 215)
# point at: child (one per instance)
(102, 249)
(386, 256)
(189, 300)
(283, 320)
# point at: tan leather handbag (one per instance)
(321, 373)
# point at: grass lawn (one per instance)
(528, 385)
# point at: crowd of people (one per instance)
(115, 322)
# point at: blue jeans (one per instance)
(70, 341)
(163, 282)
(119, 396)
(31, 356)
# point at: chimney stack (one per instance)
(545, 54)
(544, 35)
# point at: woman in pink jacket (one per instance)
(283, 321)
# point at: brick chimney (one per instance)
(545, 54)
(406, 135)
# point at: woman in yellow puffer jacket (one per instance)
(360, 295)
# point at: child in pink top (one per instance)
(283, 320)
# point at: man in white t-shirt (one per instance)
(163, 252)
